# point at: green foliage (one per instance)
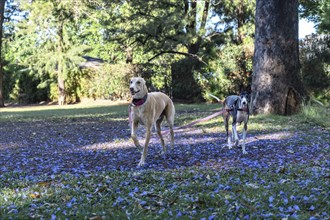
(315, 114)
(23, 85)
(184, 80)
(318, 12)
(26, 88)
(232, 70)
(45, 42)
(315, 66)
(108, 82)
(182, 49)
(53, 35)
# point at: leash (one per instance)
(196, 121)
(181, 127)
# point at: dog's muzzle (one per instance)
(133, 92)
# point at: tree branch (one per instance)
(180, 53)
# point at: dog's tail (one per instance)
(213, 96)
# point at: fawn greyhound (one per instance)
(149, 109)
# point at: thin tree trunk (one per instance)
(2, 12)
(276, 87)
(129, 55)
(60, 74)
(61, 90)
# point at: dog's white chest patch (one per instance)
(241, 116)
(139, 115)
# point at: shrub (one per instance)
(108, 82)
(315, 66)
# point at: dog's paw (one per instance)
(141, 163)
(139, 148)
(245, 152)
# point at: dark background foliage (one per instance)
(185, 49)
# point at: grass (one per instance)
(316, 115)
(42, 112)
(294, 190)
(191, 193)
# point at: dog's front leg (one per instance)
(226, 120)
(244, 137)
(235, 135)
(145, 149)
(133, 134)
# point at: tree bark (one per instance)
(276, 87)
(60, 73)
(61, 90)
(2, 12)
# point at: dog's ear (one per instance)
(236, 100)
(145, 88)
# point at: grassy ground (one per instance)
(78, 162)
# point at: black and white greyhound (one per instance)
(236, 106)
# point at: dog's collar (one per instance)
(238, 109)
(138, 102)
(243, 110)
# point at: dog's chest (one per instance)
(139, 115)
(241, 116)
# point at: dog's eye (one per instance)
(138, 82)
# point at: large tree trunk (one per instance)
(276, 87)
(2, 11)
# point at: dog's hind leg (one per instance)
(244, 137)
(172, 135)
(159, 132)
(170, 121)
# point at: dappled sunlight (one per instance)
(88, 157)
(75, 111)
(271, 136)
(97, 141)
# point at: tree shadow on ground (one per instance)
(88, 145)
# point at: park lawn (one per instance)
(47, 172)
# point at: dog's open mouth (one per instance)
(245, 108)
(134, 92)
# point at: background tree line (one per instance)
(186, 48)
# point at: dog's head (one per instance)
(245, 99)
(138, 87)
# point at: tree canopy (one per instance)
(207, 44)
